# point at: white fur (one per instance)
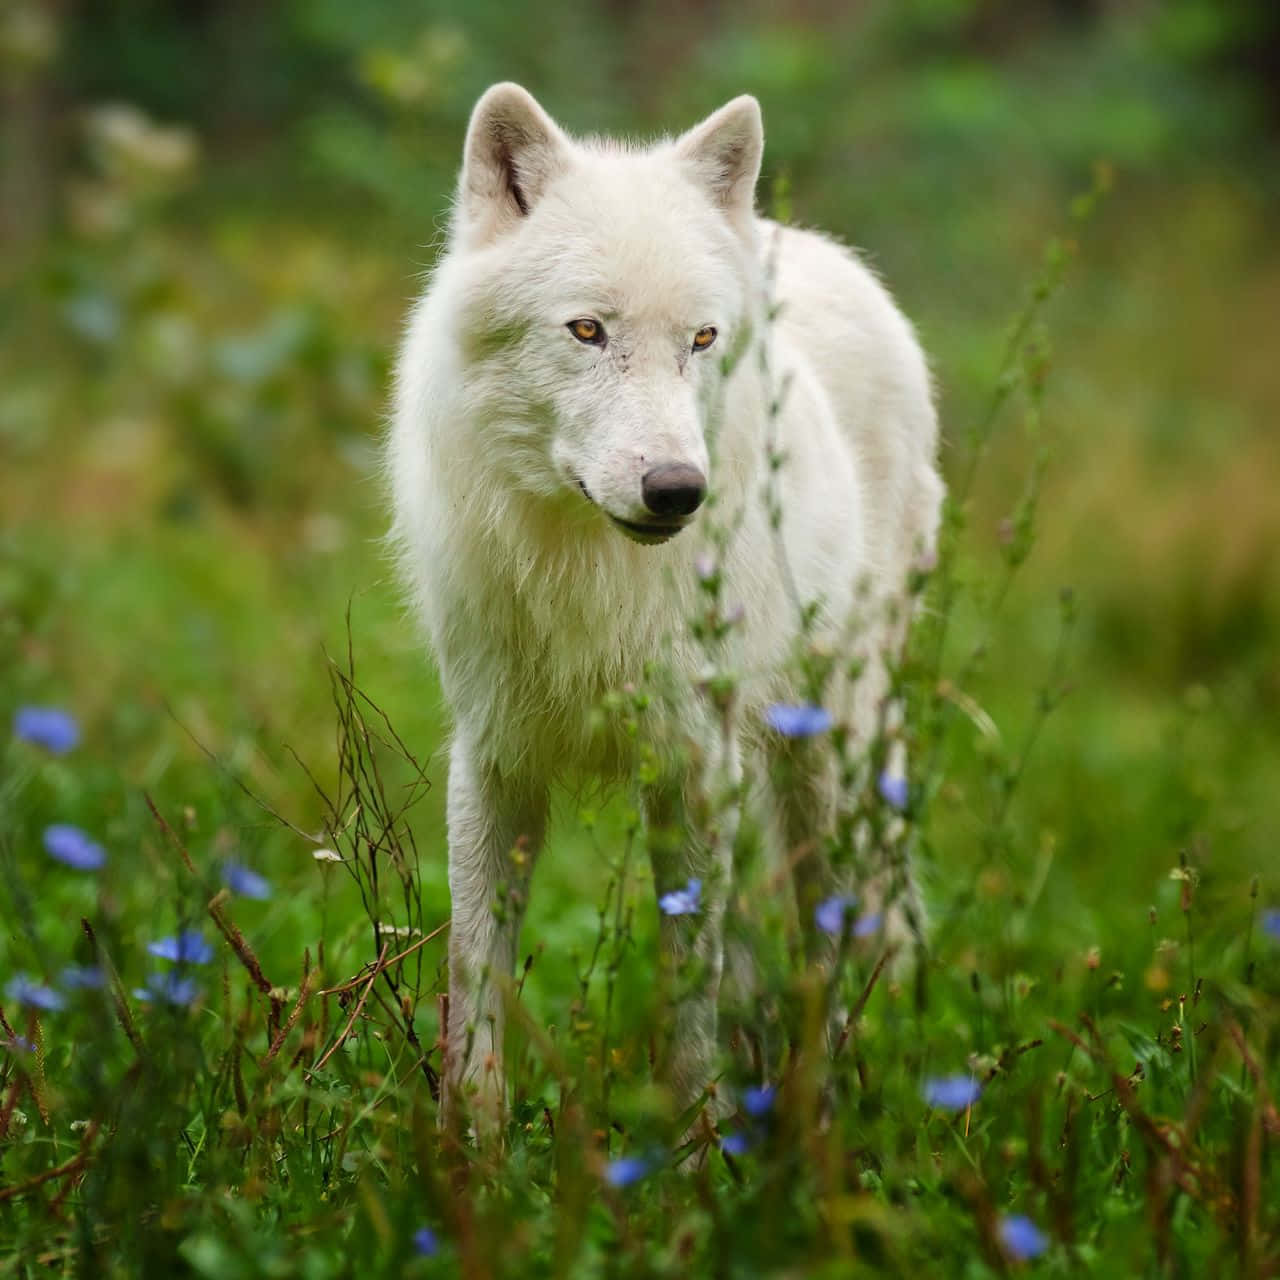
(535, 603)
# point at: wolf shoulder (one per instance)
(835, 312)
(839, 325)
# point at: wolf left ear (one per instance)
(512, 152)
(724, 154)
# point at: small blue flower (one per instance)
(682, 902)
(952, 1093)
(626, 1170)
(759, 1102)
(21, 990)
(735, 1144)
(829, 915)
(248, 884)
(798, 722)
(1021, 1237)
(1271, 924)
(893, 790)
(73, 847)
(172, 988)
(48, 727)
(81, 977)
(189, 947)
(19, 1044)
(867, 925)
(425, 1243)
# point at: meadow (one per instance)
(222, 869)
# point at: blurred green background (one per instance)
(215, 213)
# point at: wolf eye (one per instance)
(589, 331)
(704, 338)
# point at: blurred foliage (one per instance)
(375, 95)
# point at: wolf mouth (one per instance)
(649, 535)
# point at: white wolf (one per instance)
(562, 408)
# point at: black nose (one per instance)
(673, 489)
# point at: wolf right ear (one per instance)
(513, 150)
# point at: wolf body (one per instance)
(610, 335)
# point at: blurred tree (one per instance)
(350, 84)
(1233, 40)
(226, 66)
(28, 46)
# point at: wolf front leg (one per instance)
(496, 825)
(692, 828)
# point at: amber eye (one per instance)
(704, 338)
(589, 331)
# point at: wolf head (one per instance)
(602, 287)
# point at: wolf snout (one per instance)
(673, 489)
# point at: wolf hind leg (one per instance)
(803, 779)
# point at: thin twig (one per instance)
(213, 759)
(74, 1165)
(861, 1003)
(116, 988)
(172, 834)
(379, 966)
(244, 953)
(304, 994)
(355, 1013)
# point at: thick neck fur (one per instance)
(549, 607)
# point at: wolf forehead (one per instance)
(618, 236)
(545, 223)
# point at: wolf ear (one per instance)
(513, 150)
(724, 154)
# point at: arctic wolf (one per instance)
(625, 402)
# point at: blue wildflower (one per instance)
(73, 847)
(735, 1144)
(80, 977)
(189, 947)
(172, 988)
(759, 1102)
(1021, 1237)
(952, 1093)
(425, 1243)
(626, 1170)
(682, 902)
(21, 990)
(797, 722)
(19, 1044)
(248, 884)
(830, 913)
(48, 727)
(1271, 924)
(868, 925)
(893, 790)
